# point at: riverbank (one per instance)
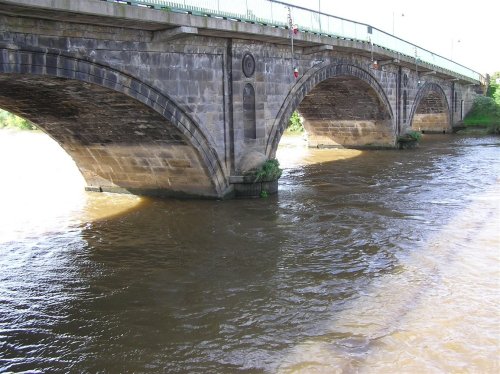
(480, 129)
(484, 116)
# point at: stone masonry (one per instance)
(168, 104)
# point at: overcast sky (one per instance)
(468, 31)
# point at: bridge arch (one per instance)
(122, 134)
(327, 90)
(431, 110)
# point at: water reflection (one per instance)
(293, 152)
(190, 288)
(361, 264)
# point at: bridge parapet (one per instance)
(276, 14)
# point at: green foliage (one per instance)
(295, 123)
(263, 194)
(410, 136)
(494, 88)
(269, 171)
(496, 96)
(409, 140)
(3, 118)
(484, 105)
(485, 112)
(415, 135)
(9, 120)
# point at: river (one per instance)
(365, 262)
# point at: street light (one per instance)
(452, 44)
(393, 21)
(319, 15)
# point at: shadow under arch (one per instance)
(431, 110)
(309, 82)
(143, 144)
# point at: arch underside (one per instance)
(431, 113)
(118, 143)
(345, 111)
(343, 105)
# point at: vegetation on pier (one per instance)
(409, 140)
(269, 171)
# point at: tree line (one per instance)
(485, 110)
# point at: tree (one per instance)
(295, 123)
(10, 120)
(494, 87)
(486, 109)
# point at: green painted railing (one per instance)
(275, 13)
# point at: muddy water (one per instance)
(370, 262)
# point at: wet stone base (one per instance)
(150, 192)
(247, 188)
(407, 143)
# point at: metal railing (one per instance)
(275, 13)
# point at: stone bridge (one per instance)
(166, 103)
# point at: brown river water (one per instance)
(365, 262)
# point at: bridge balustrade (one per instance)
(275, 13)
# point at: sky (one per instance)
(467, 32)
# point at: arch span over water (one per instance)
(122, 134)
(343, 106)
(431, 110)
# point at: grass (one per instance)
(482, 124)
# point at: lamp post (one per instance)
(319, 15)
(393, 21)
(452, 45)
(292, 31)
